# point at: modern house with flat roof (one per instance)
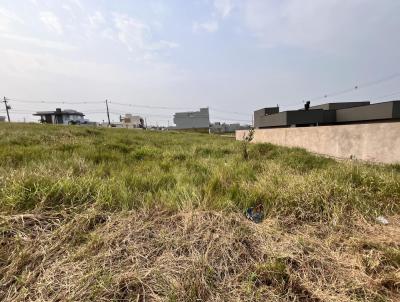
(192, 120)
(132, 121)
(352, 130)
(328, 114)
(62, 117)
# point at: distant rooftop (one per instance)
(202, 111)
(59, 111)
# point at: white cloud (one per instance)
(51, 21)
(96, 19)
(131, 32)
(24, 64)
(77, 3)
(329, 25)
(107, 33)
(10, 15)
(34, 2)
(137, 36)
(67, 7)
(159, 8)
(163, 44)
(74, 76)
(7, 17)
(40, 43)
(210, 26)
(223, 7)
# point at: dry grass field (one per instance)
(89, 214)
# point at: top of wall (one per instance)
(330, 114)
(341, 105)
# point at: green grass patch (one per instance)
(44, 166)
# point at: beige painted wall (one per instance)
(376, 142)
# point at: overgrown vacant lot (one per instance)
(110, 214)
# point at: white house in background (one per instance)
(62, 117)
(218, 127)
(192, 119)
(132, 121)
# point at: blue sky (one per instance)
(230, 55)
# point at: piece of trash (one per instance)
(382, 220)
(255, 214)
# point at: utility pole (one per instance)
(108, 114)
(7, 108)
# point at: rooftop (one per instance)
(59, 112)
(203, 111)
(328, 114)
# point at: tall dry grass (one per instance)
(49, 167)
(92, 214)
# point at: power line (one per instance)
(387, 95)
(169, 116)
(130, 105)
(230, 112)
(19, 113)
(174, 108)
(230, 119)
(25, 112)
(336, 93)
(99, 102)
(348, 90)
(53, 102)
(151, 107)
(357, 87)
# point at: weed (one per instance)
(45, 166)
(247, 138)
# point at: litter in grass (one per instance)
(255, 214)
(382, 220)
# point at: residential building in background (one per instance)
(62, 117)
(192, 120)
(328, 114)
(132, 121)
(227, 128)
(2, 119)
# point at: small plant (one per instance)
(272, 273)
(245, 143)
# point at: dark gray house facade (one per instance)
(328, 114)
(59, 116)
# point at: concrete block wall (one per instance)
(375, 142)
